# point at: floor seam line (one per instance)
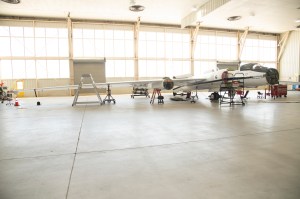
(32, 157)
(178, 143)
(70, 178)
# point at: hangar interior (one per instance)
(132, 149)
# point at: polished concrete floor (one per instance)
(134, 150)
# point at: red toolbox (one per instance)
(278, 90)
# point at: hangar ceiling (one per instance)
(274, 16)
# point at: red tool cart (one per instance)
(278, 90)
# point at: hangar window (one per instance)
(213, 46)
(260, 49)
(24, 44)
(216, 46)
(163, 52)
(203, 67)
(114, 42)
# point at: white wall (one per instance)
(290, 60)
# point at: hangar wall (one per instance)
(290, 61)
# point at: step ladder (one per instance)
(159, 96)
(84, 78)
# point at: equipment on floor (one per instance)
(260, 95)
(5, 95)
(159, 96)
(38, 103)
(17, 103)
(189, 96)
(86, 77)
(278, 90)
(177, 99)
(139, 92)
(108, 97)
(231, 87)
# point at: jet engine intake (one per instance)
(272, 76)
(168, 84)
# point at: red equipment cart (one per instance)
(278, 90)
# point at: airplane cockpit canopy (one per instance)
(254, 67)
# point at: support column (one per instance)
(194, 34)
(281, 47)
(242, 40)
(136, 42)
(71, 59)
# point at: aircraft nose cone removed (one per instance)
(272, 76)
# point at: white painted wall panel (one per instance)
(290, 61)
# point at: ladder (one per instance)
(159, 96)
(80, 86)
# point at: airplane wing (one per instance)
(158, 83)
(164, 84)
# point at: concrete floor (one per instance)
(134, 150)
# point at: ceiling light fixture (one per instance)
(135, 8)
(234, 18)
(11, 1)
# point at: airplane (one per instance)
(253, 75)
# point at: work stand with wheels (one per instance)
(108, 97)
(84, 78)
(139, 92)
(232, 88)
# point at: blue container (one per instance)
(295, 86)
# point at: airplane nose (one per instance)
(272, 76)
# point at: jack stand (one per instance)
(108, 97)
(159, 97)
(194, 96)
(196, 93)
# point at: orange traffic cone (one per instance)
(17, 103)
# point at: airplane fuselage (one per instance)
(251, 79)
